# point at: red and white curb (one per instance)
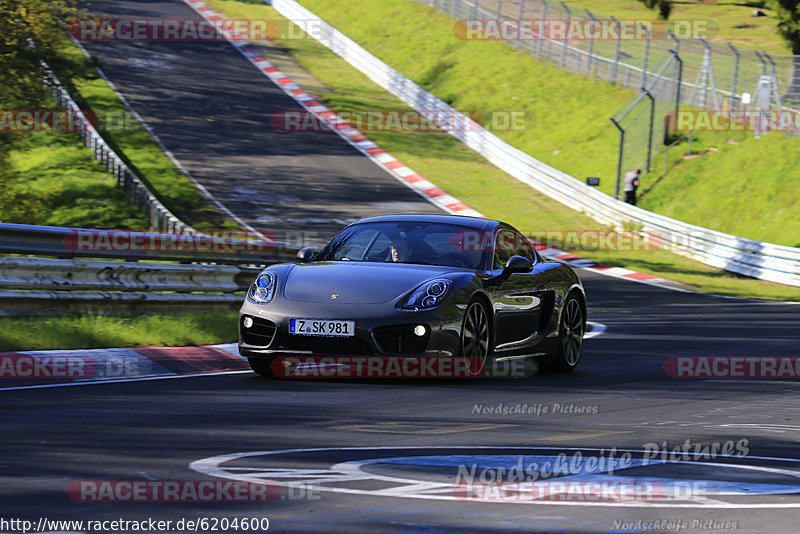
(56, 368)
(41, 369)
(400, 171)
(608, 270)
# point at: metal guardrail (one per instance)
(35, 286)
(63, 284)
(766, 261)
(87, 243)
(72, 275)
(32, 303)
(161, 219)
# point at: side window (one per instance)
(379, 247)
(509, 243)
(355, 249)
(524, 248)
(504, 247)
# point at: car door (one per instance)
(517, 304)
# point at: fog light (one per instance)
(248, 322)
(420, 330)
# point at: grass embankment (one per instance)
(730, 21)
(98, 331)
(56, 182)
(485, 76)
(571, 130)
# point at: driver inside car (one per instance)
(399, 250)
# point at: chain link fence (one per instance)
(669, 64)
(714, 72)
(643, 124)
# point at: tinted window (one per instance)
(411, 242)
(504, 248)
(509, 243)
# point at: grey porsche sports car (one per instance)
(418, 285)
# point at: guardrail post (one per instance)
(679, 61)
(542, 26)
(615, 65)
(619, 157)
(776, 92)
(566, 35)
(735, 75)
(590, 57)
(646, 55)
(499, 9)
(652, 117)
(521, 9)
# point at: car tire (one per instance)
(571, 329)
(476, 338)
(261, 366)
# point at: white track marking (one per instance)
(140, 379)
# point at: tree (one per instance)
(664, 7)
(31, 32)
(788, 13)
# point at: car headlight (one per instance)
(263, 289)
(428, 295)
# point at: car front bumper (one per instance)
(381, 329)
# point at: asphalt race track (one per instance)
(211, 108)
(141, 431)
(375, 456)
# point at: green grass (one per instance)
(569, 127)
(750, 189)
(732, 20)
(56, 182)
(460, 171)
(141, 153)
(98, 331)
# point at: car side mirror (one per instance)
(518, 264)
(305, 254)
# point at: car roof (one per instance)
(461, 220)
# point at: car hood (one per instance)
(357, 283)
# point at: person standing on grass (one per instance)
(631, 184)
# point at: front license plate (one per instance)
(322, 327)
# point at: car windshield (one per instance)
(416, 242)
